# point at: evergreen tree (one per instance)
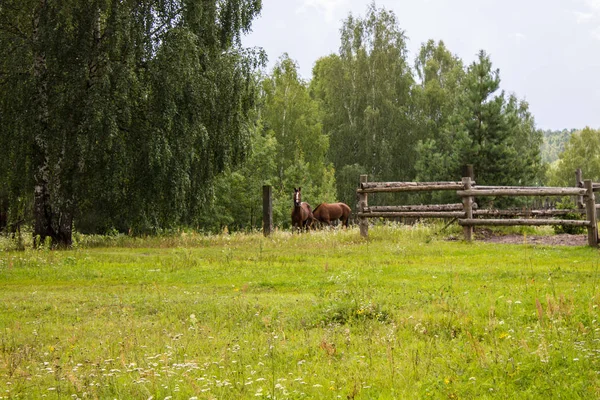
(504, 144)
(495, 134)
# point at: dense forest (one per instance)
(145, 116)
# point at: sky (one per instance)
(548, 51)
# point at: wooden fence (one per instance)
(467, 212)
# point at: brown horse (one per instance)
(328, 212)
(302, 215)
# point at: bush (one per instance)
(567, 205)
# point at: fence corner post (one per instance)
(267, 210)
(363, 222)
(468, 209)
(590, 208)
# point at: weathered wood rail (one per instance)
(467, 212)
(373, 187)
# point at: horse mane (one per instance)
(315, 209)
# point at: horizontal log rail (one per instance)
(426, 207)
(517, 222)
(380, 187)
(371, 185)
(409, 214)
(526, 213)
(484, 187)
(371, 213)
(545, 191)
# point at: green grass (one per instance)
(324, 315)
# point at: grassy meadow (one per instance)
(325, 315)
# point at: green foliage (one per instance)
(504, 145)
(581, 151)
(397, 129)
(481, 127)
(365, 95)
(150, 116)
(288, 150)
(131, 108)
(568, 205)
(554, 144)
(437, 99)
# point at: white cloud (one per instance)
(582, 17)
(593, 4)
(325, 7)
(591, 16)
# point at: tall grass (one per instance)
(327, 315)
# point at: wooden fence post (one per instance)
(267, 210)
(363, 222)
(590, 208)
(579, 183)
(468, 171)
(468, 209)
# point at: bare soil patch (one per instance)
(563, 239)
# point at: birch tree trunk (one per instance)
(49, 219)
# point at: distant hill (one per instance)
(554, 144)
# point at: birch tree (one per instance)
(118, 114)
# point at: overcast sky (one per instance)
(548, 51)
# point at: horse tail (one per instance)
(348, 212)
(347, 207)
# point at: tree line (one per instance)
(143, 116)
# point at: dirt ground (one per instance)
(564, 239)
